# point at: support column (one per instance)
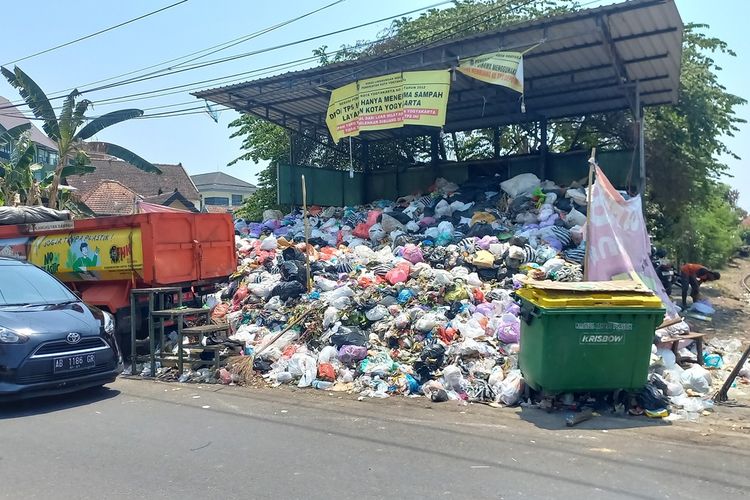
(434, 149)
(366, 171)
(496, 143)
(641, 144)
(543, 149)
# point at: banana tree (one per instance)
(68, 130)
(17, 172)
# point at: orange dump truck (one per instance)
(102, 259)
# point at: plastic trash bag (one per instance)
(390, 224)
(453, 379)
(703, 307)
(376, 313)
(443, 209)
(575, 218)
(520, 184)
(696, 378)
(324, 284)
(269, 243)
(308, 366)
(327, 354)
(426, 323)
(330, 317)
(398, 274)
(511, 388)
(349, 354)
(288, 290)
(349, 336)
(509, 331)
(413, 254)
(376, 233)
(326, 372)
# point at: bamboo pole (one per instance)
(592, 164)
(307, 235)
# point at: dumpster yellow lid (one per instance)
(589, 294)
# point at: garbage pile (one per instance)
(415, 296)
(687, 393)
(412, 296)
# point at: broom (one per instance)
(242, 366)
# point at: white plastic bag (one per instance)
(377, 234)
(697, 379)
(327, 354)
(309, 368)
(376, 313)
(575, 218)
(269, 243)
(453, 379)
(511, 388)
(426, 323)
(522, 183)
(443, 209)
(324, 284)
(330, 317)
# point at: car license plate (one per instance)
(74, 363)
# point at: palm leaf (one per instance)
(123, 154)
(81, 108)
(23, 153)
(7, 135)
(36, 99)
(105, 121)
(72, 170)
(79, 207)
(67, 128)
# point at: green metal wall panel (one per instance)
(334, 187)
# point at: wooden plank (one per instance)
(590, 286)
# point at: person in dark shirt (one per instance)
(692, 275)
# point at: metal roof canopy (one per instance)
(591, 61)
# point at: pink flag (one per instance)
(617, 240)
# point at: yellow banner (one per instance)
(91, 255)
(497, 68)
(389, 101)
(343, 112)
(381, 102)
(426, 97)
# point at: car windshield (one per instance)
(29, 285)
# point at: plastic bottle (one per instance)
(322, 384)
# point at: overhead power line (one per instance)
(199, 54)
(417, 45)
(134, 80)
(260, 51)
(96, 34)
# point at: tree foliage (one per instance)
(67, 132)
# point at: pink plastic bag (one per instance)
(398, 274)
(413, 254)
(362, 231)
(372, 218)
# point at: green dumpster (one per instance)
(575, 341)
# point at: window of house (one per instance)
(236, 199)
(217, 200)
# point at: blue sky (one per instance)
(195, 140)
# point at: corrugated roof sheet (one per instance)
(588, 63)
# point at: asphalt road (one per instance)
(142, 439)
